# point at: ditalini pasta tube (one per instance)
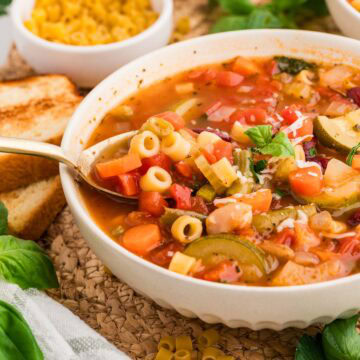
(186, 229)
(145, 144)
(181, 263)
(156, 179)
(176, 147)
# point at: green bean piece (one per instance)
(158, 126)
(168, 343)
(183, 355)
(183, 342)
(208, 338)
(164, 354)
(207, 192)
(211, 353)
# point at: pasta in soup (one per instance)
(244, 172)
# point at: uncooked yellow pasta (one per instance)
(186, 229)
(156, 179)
(206, 138)
(167, 342)
(176, 147)
(208, 338)
(183, 342)
(211, 353)
(87, 22)
(164, 354)
(181, 263)
(183, 355)
(145, 144)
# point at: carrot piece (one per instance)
(129, 184)
(223, 149)
(356, 162)
(307, 128)
(119, 166)
(245, 67)
(306, 181)
(228, 79)
(142, 239)
(152, 202)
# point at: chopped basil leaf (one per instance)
(260, 166)
(261, 135)
(292, 66)
(312, 152)
(352, 153)
(280, 146)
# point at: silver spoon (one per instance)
(83, 165)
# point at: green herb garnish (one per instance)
(257, 168)
(292, 66)
(312, 152)
(3, 6)
(352, 153)
(280, 192)
(279, 146)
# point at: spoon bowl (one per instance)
(83, 165)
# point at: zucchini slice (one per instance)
(341, 133)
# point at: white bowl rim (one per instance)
(69, 184)
(349, 8)
(165, 14)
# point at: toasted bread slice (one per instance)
(36, 108)
(34, 207)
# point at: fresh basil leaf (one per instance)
(292, 66)
(318, 7)
(309, 348)
(261, 135)
(3, 219)
(280, 146)
(352, 153)
(263, 19)
(341, 341)
(229, 23)
(237, 7)
(260, 165)
(25, 263)
(286, 5)
(16, 339)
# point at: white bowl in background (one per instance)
(5, 38)
(87, 65)
(254, 307)
(347, 18)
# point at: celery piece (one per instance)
(207, 192)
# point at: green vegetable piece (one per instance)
(243, 160)
(207, 192)
(352, 153)
(3, 6)
(260, 165)
(3, 219)
(280, 146)
(264, 19)
(261, 135)
(309, 348)
(341, 340)
(16, 339)
(231, 247)
(237, 7)
(170, 215)
(25, 263)
(266, 223)
(292, 66)
(229, 23)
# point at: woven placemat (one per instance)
(131, 322)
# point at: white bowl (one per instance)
(347, 18)
(87, 65)
(253, 307)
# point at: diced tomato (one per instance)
(160, 159)
(349, 246)
(182, 196)
(210, 75)
(207, 151)
(250, 116)
(213, 107)
(326, 92)
(176, 120)
(198, 205)
(228, 79)
(306, 181)
(356, 162)
(285, 237)
(222, 114)
(184, 169)
(203, 75)
(196, 74)
(223, 149)
(226, 271)
(289, 114)
(129, 184)
(245, 66)
(307, 128)
(163, 255)
(119, 166)
(152, 202)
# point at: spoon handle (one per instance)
(36, 148)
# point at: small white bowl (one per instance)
(87, 65)
(347, 18)
(251, 306)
